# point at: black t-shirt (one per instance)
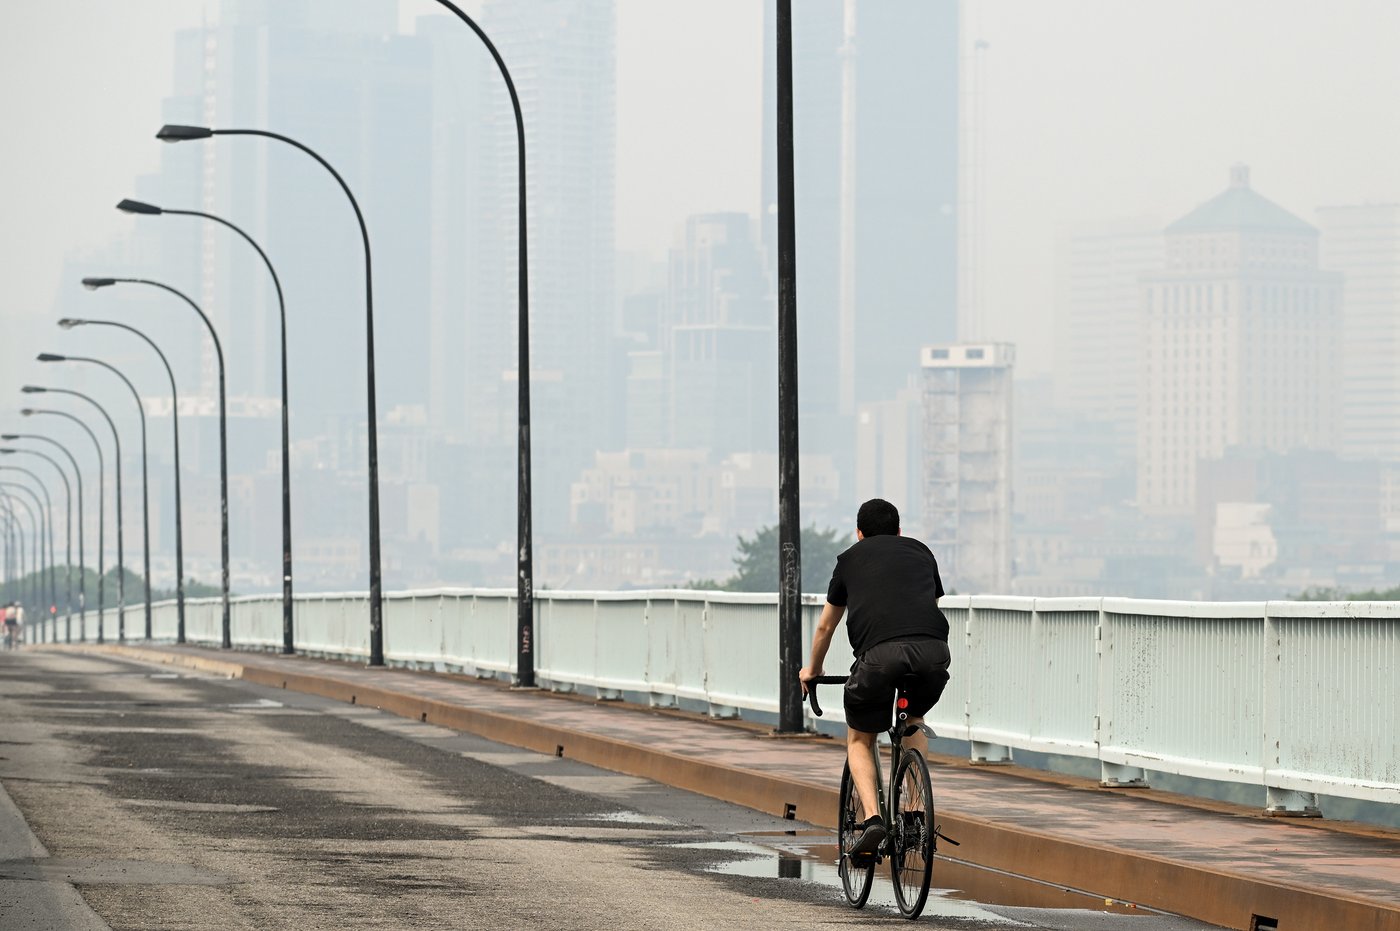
(890, 588)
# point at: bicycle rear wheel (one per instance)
(855, 878)
(911, 841)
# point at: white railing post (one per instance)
(1112, 775)
(980, 753)
(1278, 801)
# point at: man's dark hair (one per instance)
(876, 517)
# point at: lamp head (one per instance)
(33, 389)
(174, 132)
(7, 437)
(92, 284)
(51, 357)
(128, 205)
(69, 322)
(5, 451)
(26, 412)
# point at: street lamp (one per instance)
(82, 568)
(176, 133)
(145, 485)
(138, 207)
(101, 525)
(45, 511)
(92, 284)
(17, 527)
(69, 323)
(36, 537)
(524, 582)
(68, 528)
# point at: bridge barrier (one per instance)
(1299, 697)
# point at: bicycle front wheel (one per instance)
(911, 835)
(855, 878)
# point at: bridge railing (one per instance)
(1299, 697)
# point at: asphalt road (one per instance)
(138, 798)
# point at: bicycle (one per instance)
(912, 839)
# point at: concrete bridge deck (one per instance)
(1212, 861)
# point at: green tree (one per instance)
(756, 562)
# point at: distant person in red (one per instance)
(890, 585)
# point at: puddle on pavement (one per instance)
(958, 887)
(626, 817)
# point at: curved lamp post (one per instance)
(82, 568)
(70, 322)
(46, 512)
(68, 528)
(145, 485)
(36, 548)
(176, 133)
(101, 528)
(8, 502)
(92, 284)
(525, 594)
(137, 207)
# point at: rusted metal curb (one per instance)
(1219, 897)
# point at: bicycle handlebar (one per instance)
(812, 690)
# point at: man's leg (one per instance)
(860, 754)
(917, 740)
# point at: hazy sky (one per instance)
(1095, 109)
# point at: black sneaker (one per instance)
(872, 835)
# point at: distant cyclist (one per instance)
(891, 585)
(12, 624)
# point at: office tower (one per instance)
(967, 392)
(338, 78)
(875, 103)
(1240, 343)
(1362, 243)
(561, 54)
(1099, 325)
(718, 338)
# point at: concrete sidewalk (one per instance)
(1219, 863)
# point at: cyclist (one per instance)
(12, 622)
(891, 586)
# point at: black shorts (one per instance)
(869, 697)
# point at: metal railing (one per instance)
(1299, 697)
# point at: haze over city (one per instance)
(1029, 131)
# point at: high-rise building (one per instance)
(1099, 325)
(1240, 343)
(339, 78)
(562, 57)
(967, 391)
(719, 338)
(1362, 242)
(875, 101)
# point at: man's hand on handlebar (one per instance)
(806, 675)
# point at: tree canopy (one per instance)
(756, 561)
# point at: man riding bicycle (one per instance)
(891, 586)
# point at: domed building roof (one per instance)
(1240, 207)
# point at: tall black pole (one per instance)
(45, 512)
(288, 631)
(121, 533)
(524, 583)
(94, 283)
(172, 133)
(175, 419)
(101, 531)
(789, 495)
(68, 529)
(145, 485)
(82, 568)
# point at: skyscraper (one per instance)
(561, 54)
(1240, 339)
(967, 393)
(875, 102)
(1362, 242)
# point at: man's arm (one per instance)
(821, 642)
